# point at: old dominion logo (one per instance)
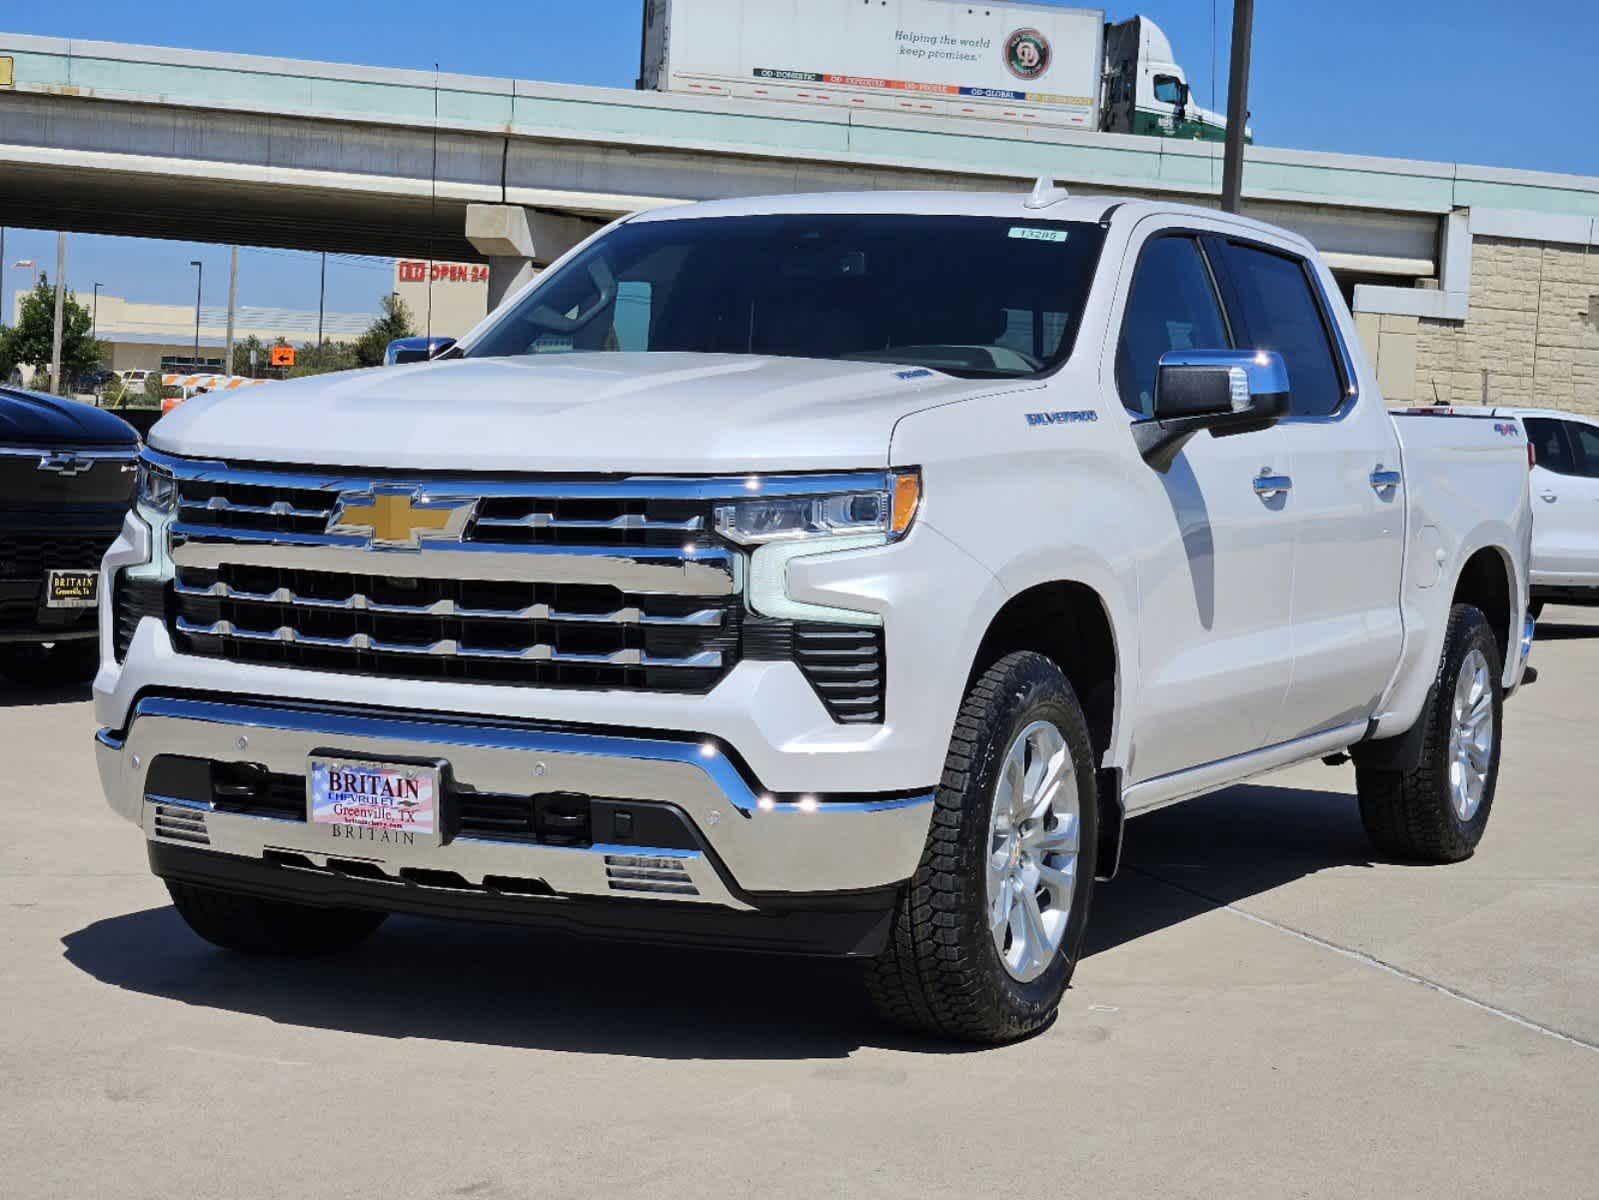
(1027, 54)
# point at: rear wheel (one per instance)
(255, 925)
(1437, 810)
(50, 664)
(988, 932)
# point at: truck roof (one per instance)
(951, 203)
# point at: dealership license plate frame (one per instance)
(87, 595)
(366, 838)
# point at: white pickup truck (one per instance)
(822, 574)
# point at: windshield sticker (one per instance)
(918, 373)
(1030, 234)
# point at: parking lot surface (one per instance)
(1265, 1010)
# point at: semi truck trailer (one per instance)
(1032, 64)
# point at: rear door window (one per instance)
(1172, 306)
(1585, 443)
(1550, 447)
(1274, 307)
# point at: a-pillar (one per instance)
(517, 241)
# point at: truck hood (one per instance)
(603, 413)
(35, 419)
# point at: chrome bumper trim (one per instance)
(696, 571)
(807, 845)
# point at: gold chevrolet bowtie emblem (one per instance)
(396, 518)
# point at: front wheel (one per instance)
(988, 931)
(1437, 810)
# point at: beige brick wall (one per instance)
(1534, 327)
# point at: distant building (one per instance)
(458, 294)
(160, 337)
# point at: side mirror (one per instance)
(415, 349)
(1225, 391)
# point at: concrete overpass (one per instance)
(108, 138)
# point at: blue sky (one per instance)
(1472, 81)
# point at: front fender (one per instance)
(1035, 503)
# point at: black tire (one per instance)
(254, 925)
(53, 664)
(942, 973)
(1410, 814)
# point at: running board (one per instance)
(1184, 785)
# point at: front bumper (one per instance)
(752, 851)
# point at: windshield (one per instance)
(970, 296)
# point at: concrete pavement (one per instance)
(1266, 1011)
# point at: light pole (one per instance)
(94, 317)
(32, 266)
(55, 333)
(199, 278)
(1232, 163)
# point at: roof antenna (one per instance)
(1045, 192)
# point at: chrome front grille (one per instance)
(510, 519)
(568, 583)
(476, 630)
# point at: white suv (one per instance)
(1565, 502)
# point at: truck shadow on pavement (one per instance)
(502, 986)
(1552, 631)
(14, 695)
(1201, 855)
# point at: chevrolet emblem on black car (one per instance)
(65, 465)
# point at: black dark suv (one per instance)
(66, 479)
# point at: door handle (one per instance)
(1550, 497)
(1383, 479)
(1268, 484)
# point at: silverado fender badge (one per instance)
(1062, 418)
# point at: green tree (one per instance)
(29, 341)
(395, 321)
(241, 356)
(311, 359)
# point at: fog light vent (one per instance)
(655, 874)
(179, 823)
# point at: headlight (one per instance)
(158, 491)
(887, 512)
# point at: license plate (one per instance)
(375, 809)
(71, 589)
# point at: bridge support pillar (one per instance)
(517, 241)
